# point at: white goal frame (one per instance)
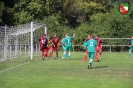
(33, 29)
(33, 26)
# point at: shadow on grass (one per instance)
(102, 67)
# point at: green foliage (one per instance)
(23, 17)
(6, 13)
(81, 17)
(106, 25)
(1, 9)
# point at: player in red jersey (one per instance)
(55, 42)
(43, 45)
(98, 48)
(50, 47)
(86, 51)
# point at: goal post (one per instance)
(31, 36)
(21, 41)
(32, 30)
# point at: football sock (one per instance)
(128, 55)
(66, 54)
(68, 57)
(45, 54)
(42, 55)
(90, 62)
(63, 56)
(85, 57)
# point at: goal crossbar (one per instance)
(28, 29)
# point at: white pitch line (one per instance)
(14, 67)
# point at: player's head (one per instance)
(44, 35)
(89, 35)
(49, 37)
(67, 34)
(55, 35)
(132, 37)
(97, 36)
(92, 37)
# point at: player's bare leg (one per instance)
(42, 55)
(64, 54)
(69, 53)
(56, 53)
(50, 52)
(100, 54)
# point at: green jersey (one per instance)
(63, 40)
(91, 44)
(63, 46)
(131, 44)
(68, 40)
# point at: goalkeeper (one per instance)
(131, 48)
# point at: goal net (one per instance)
(21, 41)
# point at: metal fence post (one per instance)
(5, 46)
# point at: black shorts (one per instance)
(44, 46)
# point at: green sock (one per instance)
(128, 55)
(63, 55)
(90, 64)
(68, 57)
(66, 54)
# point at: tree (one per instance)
(6, 12)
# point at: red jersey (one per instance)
(43, 42)
(56, 41)
(99, 42)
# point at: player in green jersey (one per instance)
(68, 43)
(63, 42)
(91, 44)
(131, 48)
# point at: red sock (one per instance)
(42, 54)
(85, 57)
(45, 54)
(51, 53)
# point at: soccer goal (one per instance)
(21, 41)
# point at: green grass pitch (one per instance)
(113, 71)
